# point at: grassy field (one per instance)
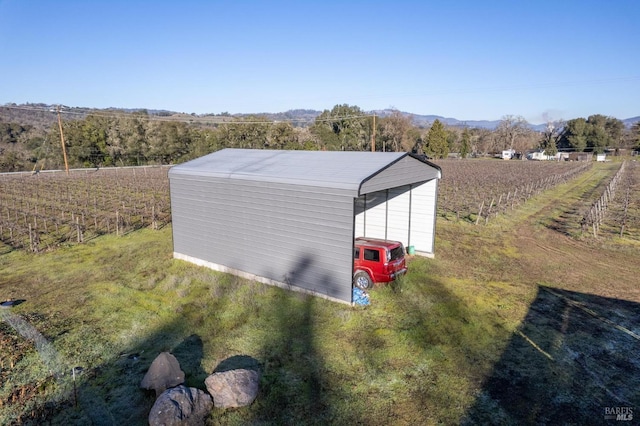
(522, 321)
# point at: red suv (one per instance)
(377, 261)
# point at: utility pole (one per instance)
(64, 148)
(373, 135)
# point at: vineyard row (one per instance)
(42, 211)
(477, 191)
(617, 211)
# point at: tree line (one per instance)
(102, 139)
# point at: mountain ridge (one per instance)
(45, 113)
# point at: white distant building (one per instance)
(508, 154)
(537, 155)
(540, 155)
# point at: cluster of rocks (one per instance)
(177, 404)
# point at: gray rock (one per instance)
(164, 373)
(181, 406)
(233, 388)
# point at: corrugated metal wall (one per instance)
(298, 235)
(405, 213)
(423, 217)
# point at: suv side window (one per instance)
(373, 255)
(356, 253)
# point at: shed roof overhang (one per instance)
(356, 172)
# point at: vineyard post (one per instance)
(64, 148)
(154, 225)
(626, 211)
(489, 211)
(601, 209)
(480, 212)
(78, 229)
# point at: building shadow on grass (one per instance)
(292, 389)
(573, 360)
(111, 394)
(292, 385)
(189, 354)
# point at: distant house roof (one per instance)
(332, 169)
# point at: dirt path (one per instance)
(556, 253)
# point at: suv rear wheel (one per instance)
(362, 280)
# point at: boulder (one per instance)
(180, 406)
(233, 388)
(164, 373)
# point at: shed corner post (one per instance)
(353, 243)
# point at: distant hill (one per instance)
(42, 116)
(36, 115)
(427, 120)
(631, 121)
(298, 117)
(308, 115)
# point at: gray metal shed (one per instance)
(289, 218)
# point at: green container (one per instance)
(411, 250)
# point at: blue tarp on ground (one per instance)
(360, 297)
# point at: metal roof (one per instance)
(331, 169)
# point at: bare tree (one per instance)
(481, 141)
(512, 133)
(551, 135)
(393, 131)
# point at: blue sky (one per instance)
(470, 60)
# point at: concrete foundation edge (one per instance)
(252, 277)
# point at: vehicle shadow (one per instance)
(572, 360)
